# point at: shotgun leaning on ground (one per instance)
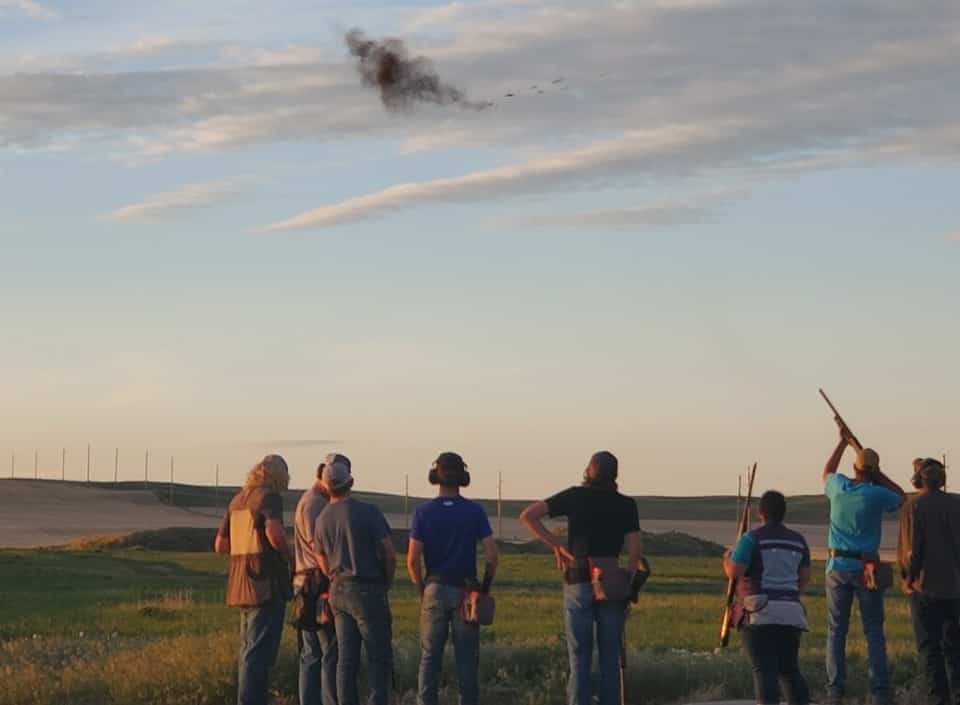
(727, 623)
(841, 423)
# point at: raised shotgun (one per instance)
(841, 423)
(727, 623)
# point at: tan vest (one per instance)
(257, 571)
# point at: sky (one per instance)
(677, 220)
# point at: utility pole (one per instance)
(36, 464)
(116, 466)
(739, 494)
(146, 469)
(13, 464)
(171, 480)
(88, 462)
(406, 500)
(216, 491)
(500, 506)
(63, 464)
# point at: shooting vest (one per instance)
(257, 571)
(770, 591)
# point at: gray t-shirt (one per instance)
(308, 509)
(349, 534)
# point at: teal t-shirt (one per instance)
(856, 516)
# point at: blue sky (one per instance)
(216, 242)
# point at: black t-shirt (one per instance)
(597, 520)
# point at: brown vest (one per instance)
(257, 571)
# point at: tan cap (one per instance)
(867, 459)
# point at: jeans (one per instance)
(318, 667)
(842, 587)
(936, 625)
(361, 613)
(260, 631)
(773, 651)
(583, 616)
(439, 609)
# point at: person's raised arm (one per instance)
(414, 569)
(491, 556)
(833, 462)
(532, 518)
(880, 478)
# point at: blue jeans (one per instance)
(439, 609)
(361, 613)
(842, 587)
(318, 667)
(583, 616)
(260, 631)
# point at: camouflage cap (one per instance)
(867, 459)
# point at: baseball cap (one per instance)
(336, 471)
(867, 459)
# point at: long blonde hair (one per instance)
(270, 473)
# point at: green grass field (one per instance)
(136, 627)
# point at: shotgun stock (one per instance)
(841, 423)
(726, 623)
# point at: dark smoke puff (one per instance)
(400, 79)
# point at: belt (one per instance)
(855, 555)
(449, 582)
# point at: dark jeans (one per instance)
(773, 651)
(260, 631)
(936, 625)
(583, 616)
(362, 615)
(439, 613)
(842, 588)
(318, 667)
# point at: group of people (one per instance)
(772, 567)
(343, 562)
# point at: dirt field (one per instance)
(45, 513)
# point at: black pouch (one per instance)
(877, 575)
(308, 609)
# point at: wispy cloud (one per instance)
(30, 8)
(165, 205)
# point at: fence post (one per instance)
(116, 466)
(216, 491)
(36, 464)
(171, 480)
(13, 464)
(146, 469)
(88, 462)
(406, 501)
(63, 464)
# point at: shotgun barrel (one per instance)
(731, 597)
(841, 423)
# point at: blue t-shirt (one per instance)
(856, 515)
(449, 529)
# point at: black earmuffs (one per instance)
(433, 477)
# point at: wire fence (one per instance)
(157, 471)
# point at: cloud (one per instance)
(756, 87)
(189, 197)
(30, 8)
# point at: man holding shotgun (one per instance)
(857, 506)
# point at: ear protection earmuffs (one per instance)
(433, 477)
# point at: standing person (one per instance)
(928, 554)
(772, 565)
(857, 506)
(355, 550)
(318, 646)
(599, 520)
(259, 582)
(445, 533)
